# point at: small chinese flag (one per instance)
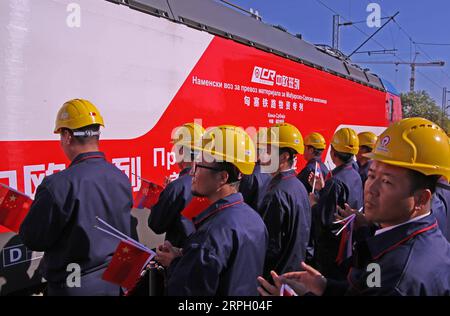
(195, 207)
(148, 195)
(286, 290)
(14, 206)
(127, 264)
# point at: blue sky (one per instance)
(420, 21)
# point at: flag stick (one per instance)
(346, 224)
(138, 245)
(145, 180)
(314, 182)
(123, 236)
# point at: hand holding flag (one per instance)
(316, 179)
(346, 244)
(267, 289)
(129, 259)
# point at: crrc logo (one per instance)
(264, 76)
(270, 77)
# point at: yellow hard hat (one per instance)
(345, 140)
(188, 134)
(414, 143)
(77, 113)
(315, 140)
(367, 139)
(283, 135)
(227, 143)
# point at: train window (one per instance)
(391, 109)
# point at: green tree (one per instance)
(420, 104)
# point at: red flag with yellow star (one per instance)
(127, 264)
(148, 195)
(195, 207)
(14, 206)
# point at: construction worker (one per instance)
(226, 252)
(344, 186)
(407, 255)
(314, 147)
(367, 142)
(63, 215)
(285, 207)
(254, 186)
(165, 216)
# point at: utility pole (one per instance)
(444, 104)
(412, 64)
(336, 24)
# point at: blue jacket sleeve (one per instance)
(170, 203)
(329, 198)
(46, 219)
(274, 213)
(303, 177)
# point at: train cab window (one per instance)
(390, 113)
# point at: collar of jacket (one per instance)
(281, 176)
(185, 171)
(230, 200)
(391, 239)
(285, 175)
(344, 166)
(443, 184)
(314, 160)
(85, 156)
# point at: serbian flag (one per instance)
(317, 174)
(195, 207)
(346, 243)
(148, 194)
(330, 173)
(127, 264)
(286, 290)
(14, 206)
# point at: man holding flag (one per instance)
(226, 253)
(314, 147)
(344, 186)
(165, 216)
(63, 215)
(408, 255)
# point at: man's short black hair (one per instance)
(234, 175)
(344, 157)
(367, 149)
(316, 152)
(87, 130)
(291, 153)
(419, 181)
